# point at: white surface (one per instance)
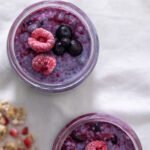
(119, 85)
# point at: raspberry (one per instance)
(41, 40)
(44, 64)
(6, 120)
(3, 120)
(96, 145)
(25, 131)
(14, 132)
(28, 141)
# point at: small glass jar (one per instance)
(87, 69)
(93, 117)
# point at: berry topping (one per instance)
(78, 136)
(32, 27)
(44, 64)
(114, 139)
(14, 132)
(65, 42)
(3, 119)
(28, 141)
(59, 49)
(6, 120)
(75, 48)
(96, 127)
(64, 31)
(25, 131)
(96, 145)
(41, 40)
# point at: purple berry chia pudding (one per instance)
(97, 132)
(49, 15)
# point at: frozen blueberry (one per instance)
(65, 42)
(32, 27)
(75, 48)
(114, 139)
(96, 127)
(77, 136)
(24, 37)
(60, 16)
(59, 49)
(64, 31)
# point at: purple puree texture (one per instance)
(50, 19)
(115, 138)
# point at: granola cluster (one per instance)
(14, 134)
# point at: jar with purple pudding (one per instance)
(53, 45)
(97, 132)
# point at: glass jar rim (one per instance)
(87, 69)
(96, 117)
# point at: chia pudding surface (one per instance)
(113, 136)
(50, 19)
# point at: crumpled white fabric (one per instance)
(119, 85)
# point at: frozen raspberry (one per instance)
(96, 145)
(44, 64)
(41, 40)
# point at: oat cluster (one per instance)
(14, 134)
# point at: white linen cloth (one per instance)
(119, 85)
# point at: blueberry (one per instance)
(32, 27)
(75, 48)
(114, 139)
(96, 127)
(59, 49)
(64, 31)
(65, 42)
(78, 136)
(24, 37)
